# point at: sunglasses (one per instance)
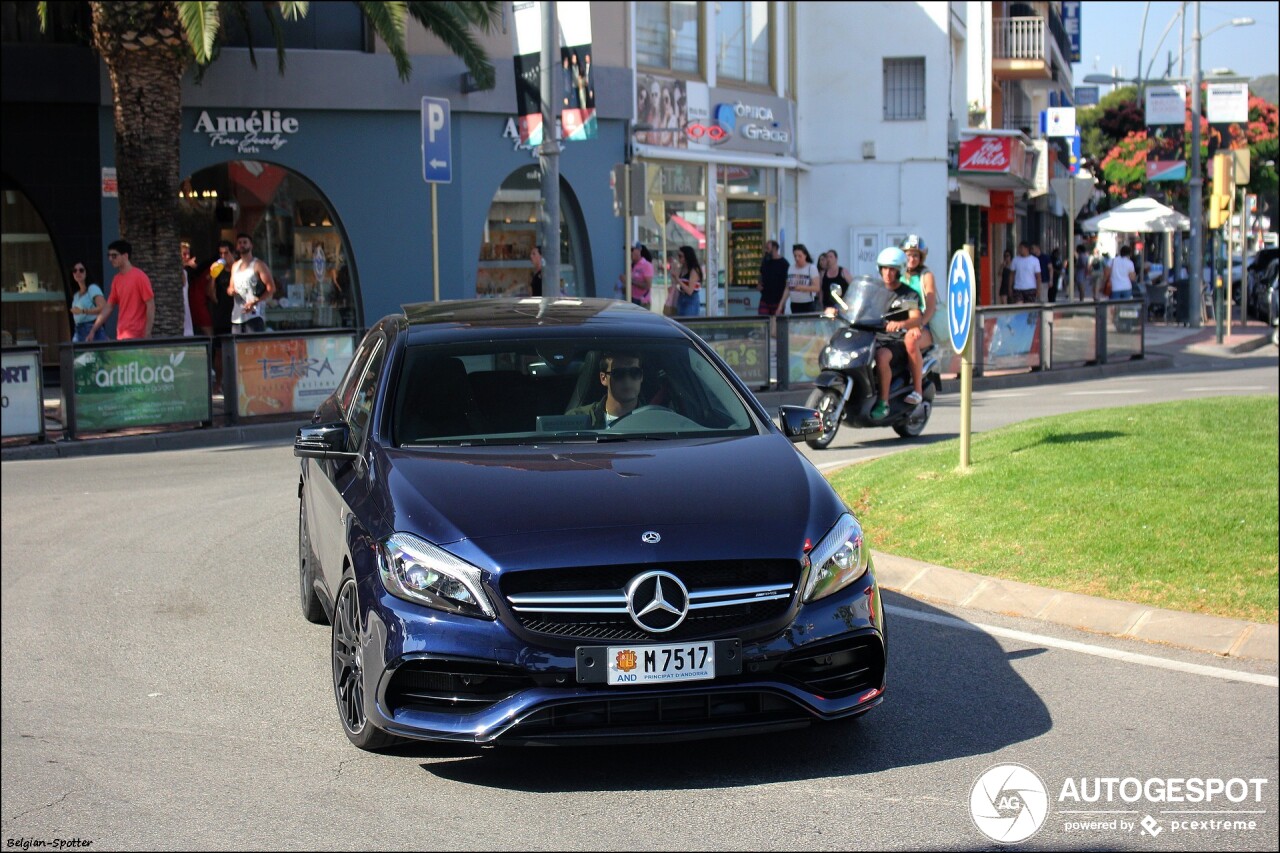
(77, 269)
(626, 372)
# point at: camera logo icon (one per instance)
(1009, 803)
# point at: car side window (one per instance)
(361, 408)
(355, 370)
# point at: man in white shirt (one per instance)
(1122, 274)
(1026, 275)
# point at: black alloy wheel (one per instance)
(827, 402)
(312, 609)
(348, 677)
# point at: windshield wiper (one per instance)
(605, 437)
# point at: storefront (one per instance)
(337, 206)
(994, 170)
(717, 162)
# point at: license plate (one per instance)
(664, 664)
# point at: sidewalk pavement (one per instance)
(1213, 634)
(1198, 632)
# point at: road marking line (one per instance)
(1006, 395)
(1115, 391)
(1087, 649)
(1229, 388)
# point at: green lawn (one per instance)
(1172, 505)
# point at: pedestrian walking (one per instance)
(251, 284)
(131, 294)
(86, 304)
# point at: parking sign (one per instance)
(437, 153)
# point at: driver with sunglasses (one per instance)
(622, 376)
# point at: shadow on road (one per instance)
(952, 693)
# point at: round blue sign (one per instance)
(961, 283)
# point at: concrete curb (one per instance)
(1213, 634)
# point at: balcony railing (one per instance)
(1020, 38)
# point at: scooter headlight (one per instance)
(835, 359)
(839, 559)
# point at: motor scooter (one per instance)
(846, 390)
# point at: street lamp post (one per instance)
(1196, 212)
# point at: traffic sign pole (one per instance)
(961, 288)
(437, 168)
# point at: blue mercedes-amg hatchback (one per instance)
(566, 521)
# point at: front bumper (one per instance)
(434, 676)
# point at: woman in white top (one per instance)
(1122, 274)
(803, 282)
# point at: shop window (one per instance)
(677, 217)
(743, 35)
(32, 293)
(294, 229)
(904, 89)
(668, 36)
(514, 226)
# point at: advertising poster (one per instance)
(744, 346)
(279, 375)
(577, 85)
(141, 386)
(662, 113)
(23, 410)
(1012, 340)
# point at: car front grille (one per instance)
(656, 717)
(743, 598)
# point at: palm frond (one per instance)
(201, 22)
(294, 11)
(388, 21)
(451, 23)
(274, 11)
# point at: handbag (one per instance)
(669, 307)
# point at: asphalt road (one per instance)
(160, 690)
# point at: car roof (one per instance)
(532, 317)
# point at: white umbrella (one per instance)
(1138, 216)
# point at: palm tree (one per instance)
(148, 46)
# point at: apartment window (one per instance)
(668, 35)
(904, 89)
(742, 41)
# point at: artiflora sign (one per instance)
(142, 386)
(261, 129)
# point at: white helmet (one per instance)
(915, 241)
(892, 257)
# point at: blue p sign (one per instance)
(437, 165)
(961, 283)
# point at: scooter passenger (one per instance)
(903, 314)
(919, 278)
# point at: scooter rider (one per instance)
(903, 314)
(919, 278)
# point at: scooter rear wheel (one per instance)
(915, 425)
(827, 402)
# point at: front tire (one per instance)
(348, 676)
(312, 609)
(827, 402)
(914, 425)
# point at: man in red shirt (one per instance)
(131, 292)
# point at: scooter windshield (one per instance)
(868, 300)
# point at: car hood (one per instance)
(526, 506)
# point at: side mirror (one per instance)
(799, 423)
(323, 441)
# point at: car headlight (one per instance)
(839, 559)
(420, 572)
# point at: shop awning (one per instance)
(691, 228)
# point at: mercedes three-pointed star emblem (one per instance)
(657, 601)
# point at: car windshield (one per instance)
(546, 391)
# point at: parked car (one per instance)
(503, 559)
(1263, 269)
